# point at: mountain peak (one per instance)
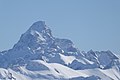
(38, 51)
(38, 26)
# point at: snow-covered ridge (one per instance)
(39, 55)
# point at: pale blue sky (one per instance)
(90, 24)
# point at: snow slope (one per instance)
(38, 55)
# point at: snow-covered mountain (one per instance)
(38, 55)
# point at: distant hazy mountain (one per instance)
(38, 55)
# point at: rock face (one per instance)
(37, 49)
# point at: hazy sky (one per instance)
(90, 24)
